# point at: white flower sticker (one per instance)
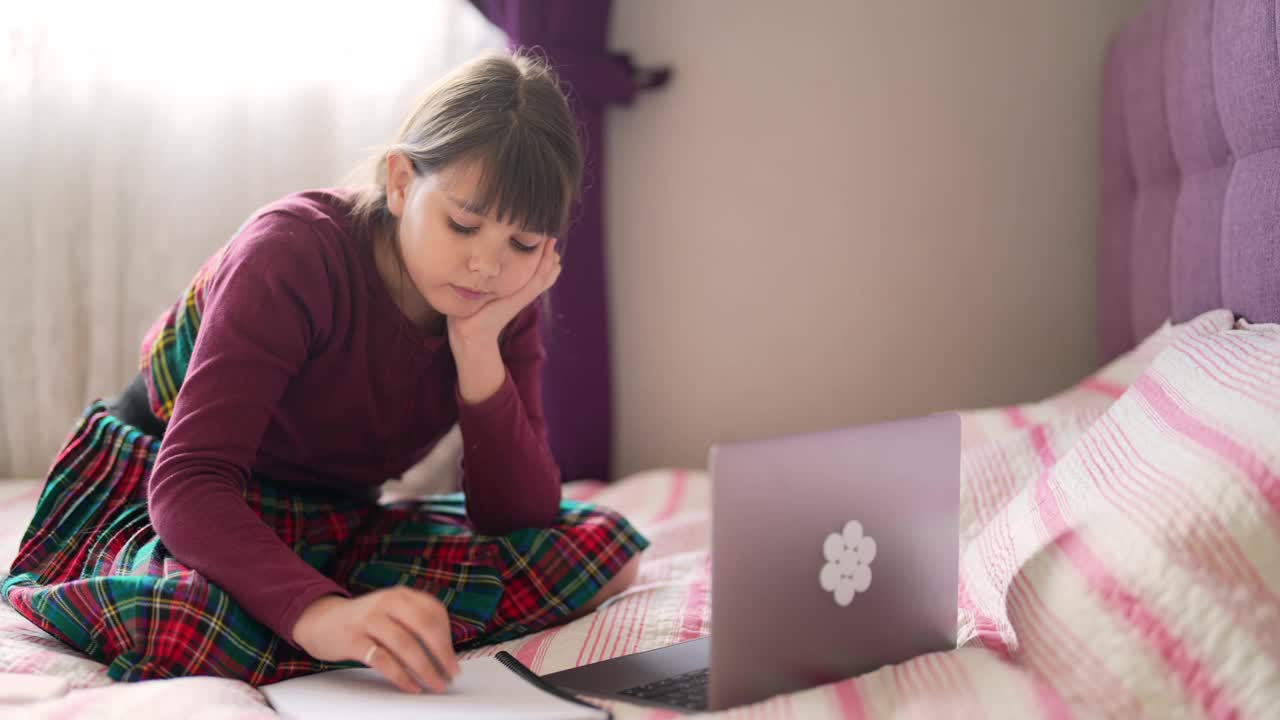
(848, 569)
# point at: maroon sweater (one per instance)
(305, 371)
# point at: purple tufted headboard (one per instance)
(1189, 213)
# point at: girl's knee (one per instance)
(625, 576)
(620, 582)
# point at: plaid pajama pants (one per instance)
(92, 572)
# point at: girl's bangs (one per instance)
(522, 183)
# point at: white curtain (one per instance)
(135, 138)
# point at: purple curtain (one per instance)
(576, 383)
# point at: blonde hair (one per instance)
(506, 112)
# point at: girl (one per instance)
(219, 516)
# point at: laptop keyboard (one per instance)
(688, 691)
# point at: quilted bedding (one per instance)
(1120, 557)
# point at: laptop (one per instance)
(833, 554)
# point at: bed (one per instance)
(1120, 540)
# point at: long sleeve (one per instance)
(266, 306)
(510, 479)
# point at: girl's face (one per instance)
(457, 258)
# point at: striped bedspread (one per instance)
(1120, 557)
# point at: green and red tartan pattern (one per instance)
(92, 572)
(166, 348)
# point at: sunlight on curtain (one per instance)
(135, 137)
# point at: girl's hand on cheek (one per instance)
(481, 329)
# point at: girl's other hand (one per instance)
(401, 632)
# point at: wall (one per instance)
(845, 211)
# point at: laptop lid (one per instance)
(833, 554)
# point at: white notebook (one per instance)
(488, 688)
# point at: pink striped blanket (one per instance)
(1120, 557)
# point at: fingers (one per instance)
(425, 616)
(380, 659)
(411, 630)
(497, 313)
(408, 665)
(542, 280)
(550, 269)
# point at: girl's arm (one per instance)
(264, 306)
(509, 476)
